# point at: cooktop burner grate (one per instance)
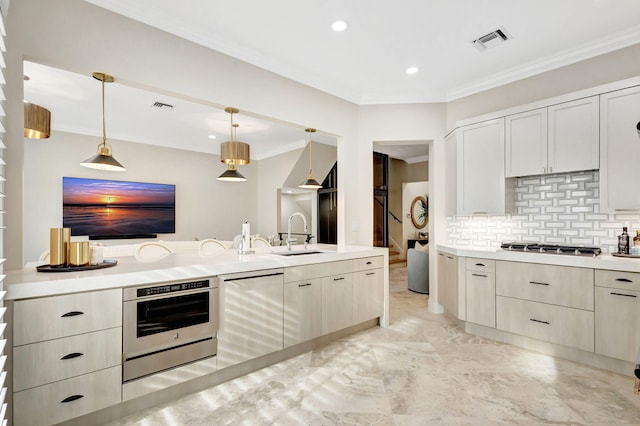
(551, 248)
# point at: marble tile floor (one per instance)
(421, 370)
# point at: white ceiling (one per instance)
(365, 64)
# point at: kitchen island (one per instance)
(70, 330)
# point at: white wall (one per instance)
(411, 190)
(80, 37)
(203, 209)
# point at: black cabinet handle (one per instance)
(541, 322)
(370, 273)
(449, 257)
(72, 314)
(72, 355)
(622, 294)
(479, 275)
(369, 263)
(71, 398)
(338, 279)
(537, 283)
(624, 280)
(480, 264)
(304, 285)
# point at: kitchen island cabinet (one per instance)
(481, 291)
(262, 322)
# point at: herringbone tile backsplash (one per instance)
(554, 209)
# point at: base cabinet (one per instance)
(337, 302)
(550, 323)
(302, 311)
(66, 399)
(448, 283)
(368, 287)
(480, 282)
(618, 314)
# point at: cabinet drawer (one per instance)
(367, 263)
(558, 285)
(551, 323)
(316, 270)
(45, 362)
(480, 265)
(47, 318)
(44, 405)
(617, 279)
(617, 323)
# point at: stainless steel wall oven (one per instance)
(167, 325)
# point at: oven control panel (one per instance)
(171, 288)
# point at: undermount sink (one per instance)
(297, 252)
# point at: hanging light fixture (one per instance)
(37, 121)
(103, 160)
(310, 182)
(233, 153)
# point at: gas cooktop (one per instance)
(550, 248)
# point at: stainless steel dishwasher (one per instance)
(251, 315)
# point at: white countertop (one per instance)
(28, 283)
(603, 261)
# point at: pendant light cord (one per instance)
(104, 126)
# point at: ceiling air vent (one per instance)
(163, 106)
(492, 39)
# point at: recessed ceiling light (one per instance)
(412, 70)
(212, 136)
(339, 26)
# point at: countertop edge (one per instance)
(603, 261)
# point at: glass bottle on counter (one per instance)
(635, 248)
(623, 241)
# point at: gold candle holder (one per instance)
(79, 253)
(59, 239)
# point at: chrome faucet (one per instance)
(306, 229)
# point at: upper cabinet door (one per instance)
(526, 143)
(620, 150)
(574, 138)
(480, 175)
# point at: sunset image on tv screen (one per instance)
(97, 207)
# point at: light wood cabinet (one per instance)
(53, 360)
(448, 283)
(67, 355)
(337, 302)
(557, 139)
(551, 323)
(251, 316)
(481, 187)
(48, 318)
(302, 311)
(368, 294)
(617, 314)
(619, 150)
(481, 291)
(66, 399)
(558, 285)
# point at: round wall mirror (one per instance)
(419, 212)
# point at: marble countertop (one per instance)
(28, 283)
(603, 261)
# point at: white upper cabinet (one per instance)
(620, 150)
(557, 139)
(526, 143)
(450, 188)
(480, 168)
(574, 139)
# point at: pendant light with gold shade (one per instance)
(103, 160)
(37, 121)
(233, 153)
(310, 182)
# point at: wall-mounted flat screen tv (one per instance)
(104, 209)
